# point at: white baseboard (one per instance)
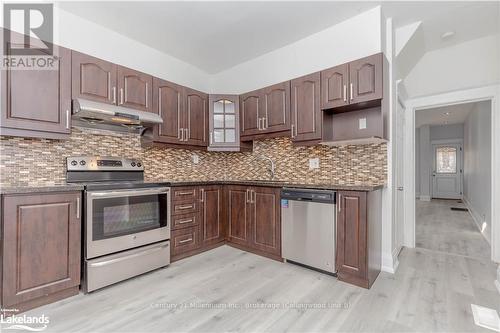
(390, 263)
(425, 198)
(476, 217)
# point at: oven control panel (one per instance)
(102, 163)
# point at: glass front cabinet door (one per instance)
(224, 123)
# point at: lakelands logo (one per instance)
(24, 322)
(28, 37)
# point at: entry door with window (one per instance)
(447, 171)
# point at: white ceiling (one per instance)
(215, 36)
(437, 116)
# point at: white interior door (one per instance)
(399, 190)
(447, 171)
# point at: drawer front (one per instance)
(184, 240)
(185, 220)
(187, 207)
(185, 193)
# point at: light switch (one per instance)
(362, 123)
(196, 159)
(313, 163)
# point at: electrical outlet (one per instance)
(362, 123)
(195, 158)
(313, 163)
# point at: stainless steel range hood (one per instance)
(111, 117)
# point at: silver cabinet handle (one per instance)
(211, 137)
(264, 122)
(253, 196)
(128, 193)
(146, 95)
(114, 95)
(185, 221)
(202, 193)
(78, 208)
(345, 93)
(121, 96)
(185, 241)
(258, 123)
(246, 195)
(185, 193)
(181, 134)
(340, 202)
(185, 207)
(292, 127)
(186, 138)
(68, 116)
(351, 92)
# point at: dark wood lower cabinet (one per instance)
(359, 236)
(41, 246)
(238, 215)
(212, 215)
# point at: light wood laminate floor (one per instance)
(430, 292)
(441, 229)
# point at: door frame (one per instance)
(491, 93)
(460, 159)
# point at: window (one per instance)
(446, 160)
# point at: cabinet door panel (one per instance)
(238, 215)
(352, 234)
(266, 225)
(212, 215)
(168, 103)
(134, 89)
(305, 108)
(250, 104)
(334, 87)
(38, 100)
(41, 245)
(93, 79)
(196, 116)
(366, 79)
(276, 110)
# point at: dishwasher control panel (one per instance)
(324, 196)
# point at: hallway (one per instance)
(438, 228)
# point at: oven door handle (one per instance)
(128, 193)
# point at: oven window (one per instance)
(112, 217)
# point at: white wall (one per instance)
(85, 36)
(477, 165)
(467, 65)
(352, 39)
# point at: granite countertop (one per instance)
(27, 188)
(65, 187)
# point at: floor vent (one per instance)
(459, 209)
(485, 317)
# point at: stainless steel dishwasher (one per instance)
(308, 228)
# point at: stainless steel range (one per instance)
(127, 221)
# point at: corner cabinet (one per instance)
(37, 103)
(41, 244)
(224, 124)
(359, 236)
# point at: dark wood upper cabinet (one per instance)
(169, 104)
(275, 114)
(366, 79)
(212, 215)
(93, 79)
(250, 105)
(196, 118)
(239, 215)
(41, 246)
(306, 114)
(334, 85)
(37, 102)
(135, 89)
(266, 220)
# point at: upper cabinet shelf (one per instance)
(105, 82)
(353, 86)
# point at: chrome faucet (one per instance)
(271, 167)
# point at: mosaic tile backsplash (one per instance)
(39, 162)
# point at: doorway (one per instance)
(447, 180)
